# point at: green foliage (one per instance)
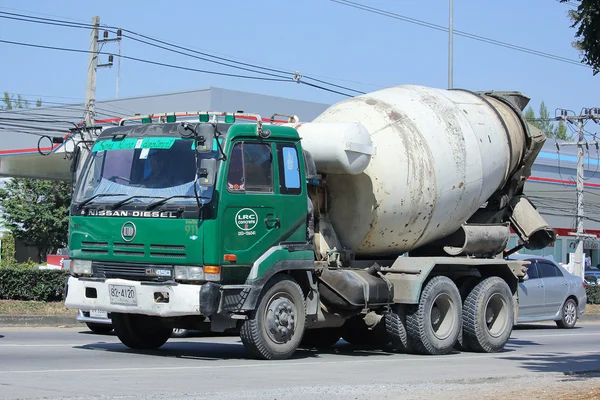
(8, 250)
(32, 284)
(586, 19)
(10, 102)
(593, 294)
(544, 123)
(37, 212)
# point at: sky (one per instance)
(319, 38)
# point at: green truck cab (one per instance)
(188, 225)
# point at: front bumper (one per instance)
(183, 299)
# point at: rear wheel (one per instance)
(321, 338)
(395, 327)
(434, 324)
(274, 330)
(488, 316)
(141, 332)
(569, 315)
(99, 328)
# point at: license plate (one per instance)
(124, 295)
(98, 314)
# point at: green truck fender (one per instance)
(297, 259)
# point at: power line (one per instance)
(269, 71)
(430, 25)
(39, 46)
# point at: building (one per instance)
(29, 133)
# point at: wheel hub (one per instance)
(280, 319)
(570, 313)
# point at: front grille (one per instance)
(94, 244)
(128, 253)
(167, 255)
(131, 271)
(167, 247)
(129, 245)
(94, 251)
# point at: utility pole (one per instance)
(90, 89)
(451, 47)
(580, 235)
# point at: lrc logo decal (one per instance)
(246, 220)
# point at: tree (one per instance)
(8, 250)
(586, 19)
(545, 124)
(11, 103)
(37, 212)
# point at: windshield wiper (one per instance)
(163, 201)
(90, 199)
(120, 203)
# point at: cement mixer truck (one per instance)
(384, 222)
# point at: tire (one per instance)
(464, 289)
(488, 316)
(396, 331)
(141, 332)
(357, 333)
(274, 330)
(569, 315)
(180, 333)
(99, 328)
(440, 299)
(321, 338)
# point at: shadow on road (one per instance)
(546, 327)
(214, 351)
(574, 365)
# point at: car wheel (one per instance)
(569, 315)
(180, 333)
(99, 328)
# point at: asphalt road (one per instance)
(74, 363)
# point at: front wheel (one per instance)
(488, 316)
(141, 332)
(99, 328)
(180, 333)
(569, 315)
(275, 329)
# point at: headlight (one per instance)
(187, 273)
(206, 273)
(81, 267)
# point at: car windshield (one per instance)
(148, 168)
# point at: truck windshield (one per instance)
(148, 168)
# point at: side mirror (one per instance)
(206, 135)
(75, 159)
(207, 171)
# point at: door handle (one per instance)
(272, 222)
(540, 285)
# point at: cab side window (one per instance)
(289, 169)
(250, 168)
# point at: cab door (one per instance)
(250, 221)
(292, 189)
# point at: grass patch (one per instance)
(17, 307)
